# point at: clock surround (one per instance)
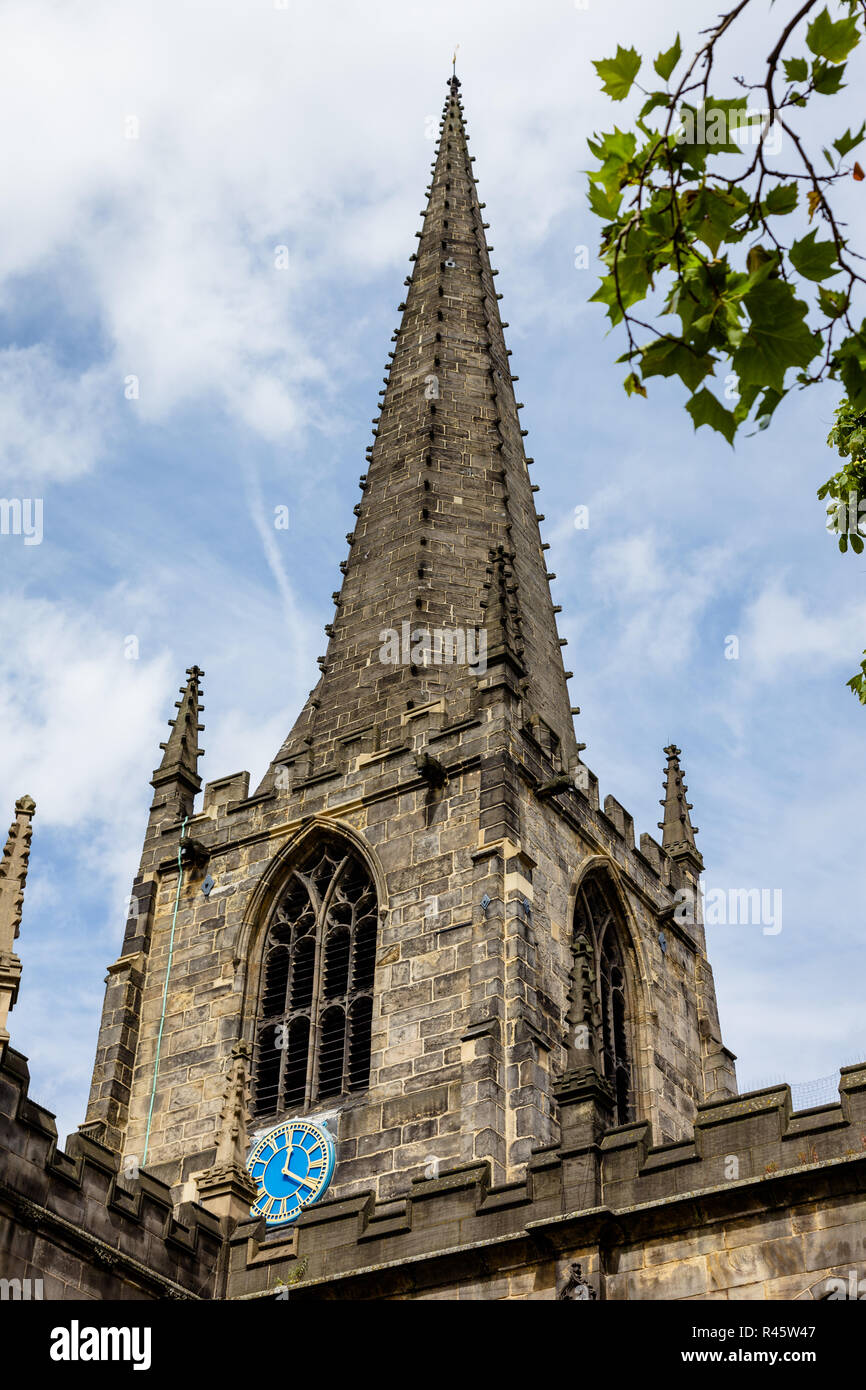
(291, 1166)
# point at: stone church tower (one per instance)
(422, 923)
(423, 931)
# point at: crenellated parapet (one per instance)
(762, 1202)
(81, 1224)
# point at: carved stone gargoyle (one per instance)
(194, 855)
(430, 768)
(575, 1286)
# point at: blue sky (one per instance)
(154, 257)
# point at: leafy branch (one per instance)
(695, 201)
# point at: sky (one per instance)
(209, 214)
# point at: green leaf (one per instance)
(770, 399)
(633, 271)
(856, 542)
(781, 199)
(706, 410)
(666, 62)
(617, 74)
(833, 302)
(813, 259)
(615, 144)
(831, 39)
(669, 357)
(849, 360)
(847, 142)
(827, 79)
(603, 204)
(633, 385)
(761, 264)
(710, 128)
(858, 683)
(777, 337)
(653, 100)
(711, 215)
(796, 69)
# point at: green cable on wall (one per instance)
(165, 990)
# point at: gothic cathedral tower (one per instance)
(422, 924)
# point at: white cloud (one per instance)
(52, 421)
(658, 594)
(78, 716)
(783, 633)
(256, 127)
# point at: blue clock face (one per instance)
(291, 1167)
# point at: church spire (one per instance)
(678, 833)
(446, 486)
(13, 876)
(178, 771)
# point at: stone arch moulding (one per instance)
(638, 976)
(266, 894)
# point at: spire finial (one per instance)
(181, 751)
(13, 876)
(678, 833)
(454, 60)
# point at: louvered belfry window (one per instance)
(596, 918)
(316, 1001)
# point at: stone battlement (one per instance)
(73, 1222)
(612, 1202)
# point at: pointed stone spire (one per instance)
(678, 833)
(177, 774)
(226, 1188)
(446, 484)
(13, 877)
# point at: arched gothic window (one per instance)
(315, 1009)
(597, 932)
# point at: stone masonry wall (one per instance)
(469, 1004)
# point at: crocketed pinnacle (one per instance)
(13, 877)
(232, 1140)
(678, 833)
(181, 751)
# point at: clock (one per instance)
(291, 1167)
